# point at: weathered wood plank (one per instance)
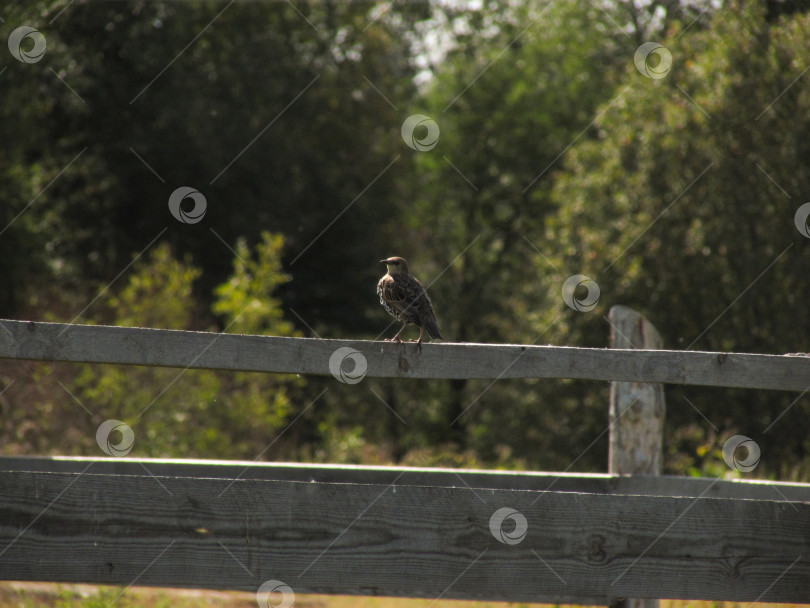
(636, 408)
(588, 483)
(169, 348)
(401, 540)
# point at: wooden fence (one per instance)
(432, 533)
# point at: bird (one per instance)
(402, 295)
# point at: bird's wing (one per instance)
(424, 311)
(427, 319)
(406, 295)
(406, 299)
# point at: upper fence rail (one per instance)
(204, 350)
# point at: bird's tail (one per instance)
(432, 329)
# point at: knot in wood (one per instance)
(596, 548)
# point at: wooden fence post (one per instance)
(636, 412)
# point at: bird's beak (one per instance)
(383, 261)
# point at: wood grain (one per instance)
(389, 538)
(637, 409)
(169, 348)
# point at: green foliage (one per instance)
(163, 281)
(161, 405)
(195, 413)
(508, 106)
(244, 301)
(269, 113)
(683, 208)
(555, 157)
(247, 305)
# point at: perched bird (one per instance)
(403, 296)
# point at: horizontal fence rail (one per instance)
(399, 531)
(402, 532)
(201, 350)
(590, 483)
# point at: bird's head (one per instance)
(396, 265)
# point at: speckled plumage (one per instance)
(403, 296)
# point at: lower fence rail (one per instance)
(529, 537)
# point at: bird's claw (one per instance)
(418, 344)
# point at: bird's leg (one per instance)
(419, 341)
(397, 338)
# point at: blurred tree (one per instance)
(516, 89)
(168, 409)
(256, 407)
(244, 300)
(196, 413)
(30, 163)
(555, 157)
(268, 109)
(684, 208)
(651, 19)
